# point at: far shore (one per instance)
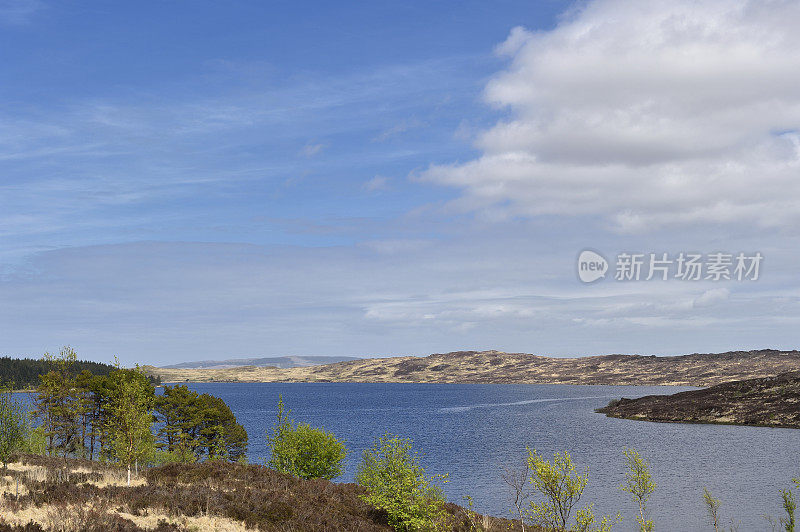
(495, 367)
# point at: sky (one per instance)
(207, 180)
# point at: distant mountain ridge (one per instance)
(276, 362)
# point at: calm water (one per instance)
(471, 430)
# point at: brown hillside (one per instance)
(498, 367)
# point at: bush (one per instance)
(36, 441)
(639, 483)
(396, 483)
(304, 451)
(13, 426)
(561, 487)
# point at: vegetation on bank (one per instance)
(302, 450)
(24, 373)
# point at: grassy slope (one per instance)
(768, 401)
(497, 367)
(208, 496)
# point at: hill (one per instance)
(277, 362)
(499, 367)
(769, 401)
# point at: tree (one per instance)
(36, 441)
(13, 426)
(195, 425)
(302, 450)
(220, 436)
(561, 487)
(99, 399)
(789, 505)
(712, 507)
(129, 418)
(517, 480)
(176, 411)
(559, 484)
(57, 404)
(396, 483)
(25, 373)
(639, 483)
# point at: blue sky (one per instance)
(183, 181)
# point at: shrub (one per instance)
(561, 486)
(13, 426)
(304, 451)
(712, 507)
(36, 441)
(639, 483)
(396, 483)
(789, 505)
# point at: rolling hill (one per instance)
(498, 367)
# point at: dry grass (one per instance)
(9, 485)
(206, 523)
(225, 497)
(116, 477)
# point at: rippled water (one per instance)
(472, 430)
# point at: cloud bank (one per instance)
(645, 114)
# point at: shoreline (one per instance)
(171, 383)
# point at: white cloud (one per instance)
(647, 114)
(377, 183)
(712, 297)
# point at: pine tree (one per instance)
(57, 405)
(198, 425)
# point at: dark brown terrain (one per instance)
(499, 367)
(767, 401)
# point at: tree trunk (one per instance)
(129, 474)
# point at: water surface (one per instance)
(472, 430)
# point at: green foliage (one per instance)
(302, 450)
(789, 505)
(639, 483)
(585, 521)
(57, 404)
(396, 482)
(198, 425)
(712, 507)
(36, 441)
(13, 426)
(560, 487)
(129, 417)
(22, 373)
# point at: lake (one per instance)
(471, 431)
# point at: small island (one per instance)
(765, 402)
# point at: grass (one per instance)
(211, 496)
